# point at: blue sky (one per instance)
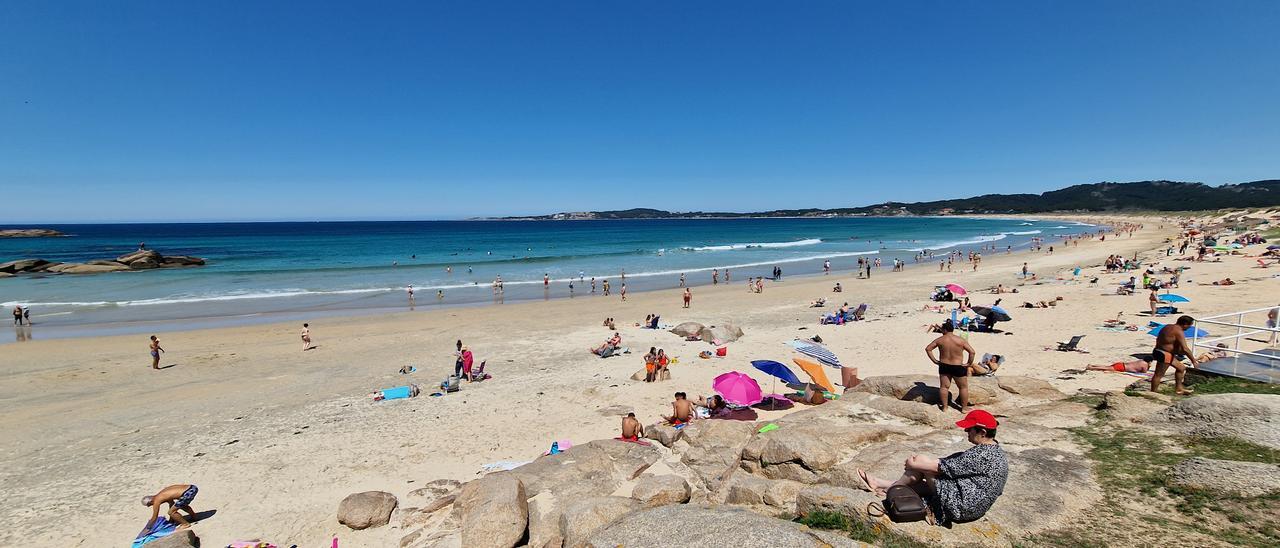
(137, 111)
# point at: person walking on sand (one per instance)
(306, 337)
(155, 352)
(682, 279)
(178, 497)
(624, 291)
(1272, 316)
(1171, 341)
(715, 276)
(1024, 270)
(688, 297)
(955, 357)
(826, 267)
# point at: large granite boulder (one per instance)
(367, 509)
(182, 260)
(713, 448)
(147, 255)
(585, 517)
(924, 388)
(544, 521)
(661, 490)
(185, 538)
(840, 500)
(22, 265)
(663, 433)
(1245, 479)
(80, 268)
(725, 332)
(595, 468)
(1254, 418)
(916, 412)
(711, 526)
(687, 329)
(434, 495)
(494, 511)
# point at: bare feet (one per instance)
(871, 482)
(1185, 392)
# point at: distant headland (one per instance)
(1090, 198)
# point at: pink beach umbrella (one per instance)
(737, 388)
(956, 289)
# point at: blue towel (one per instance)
(396, 393)
(161, 528)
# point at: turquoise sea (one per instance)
(261, 272)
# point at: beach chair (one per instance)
(1071, 345)
(860, 313)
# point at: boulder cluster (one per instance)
(724, 483)
(142, 259)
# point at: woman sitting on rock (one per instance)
(959, 488)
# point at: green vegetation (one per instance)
(1165, 196)
(859, 530)
(1133, 467)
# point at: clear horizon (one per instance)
(175, 112)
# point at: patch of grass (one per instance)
(1231, 449)
(1213, 384)
(859, 530)
(1090, 400)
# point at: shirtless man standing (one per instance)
(632, 430)
(681, 410)
(155, 352)
(1169, 342)
(179, 497)
(955, 357)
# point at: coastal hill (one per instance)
(1096, 197)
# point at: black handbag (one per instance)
(902, 504)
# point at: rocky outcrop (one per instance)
(662, 433)
(688, 329)
(1254, 418)
(494, 511)
(185, 538)
(711, 448)
(585, 517)
(924, 388)
(367, 509)
(661, 490)
(142, 259)
(1245, 479)
(725, 332)
(711, 526)
(29, 233)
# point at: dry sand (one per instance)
(275, 437)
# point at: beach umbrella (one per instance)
(1192, 331)
(815, 373)
(737, 388)
(1174, 298)
(956, 289)
(777, 370)
(821, 353)
(996, 313)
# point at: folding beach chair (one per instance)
(1070, 346)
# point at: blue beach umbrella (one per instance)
(1174, 298)
(776, 369)
(1192, 331)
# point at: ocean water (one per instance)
(271, 271)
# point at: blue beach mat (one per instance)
(399, 392)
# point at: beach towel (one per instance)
(396, 393)
(816, 351)
(767, 428)
(502, 466)
(160, 529)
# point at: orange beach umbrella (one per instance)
(815, 373)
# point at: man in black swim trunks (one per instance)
(1171, 341)
(179, 497)
(955, 357)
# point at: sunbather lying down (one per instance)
(1220, 352)
(1134, 366)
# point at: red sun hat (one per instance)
(978, 417)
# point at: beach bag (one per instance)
(450, 384)
(722, 351)
(902, 504)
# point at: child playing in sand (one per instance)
(179, 497)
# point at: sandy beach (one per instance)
(275, 437)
